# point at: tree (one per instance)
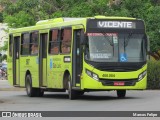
(1, 17)
(20, 19)
(5, 47)
(28, 12)
(153, 27)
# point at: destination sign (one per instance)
(116, 24)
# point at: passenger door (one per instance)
(77, 56)
(16, 74)
(43, 59)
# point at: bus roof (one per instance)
(57, 22)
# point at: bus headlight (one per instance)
(93, 75)
(142, 75)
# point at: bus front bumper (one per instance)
(102, 84)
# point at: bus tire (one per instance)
(31, 92)
(121, 93)
(72, 93)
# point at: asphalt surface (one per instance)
(16, 99)
(13, 99)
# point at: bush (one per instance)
(153, 72)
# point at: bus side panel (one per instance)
(55, 71)
(17, 72)
(44, 72)
(29, 64)
(50, 76)
(10, 60)
(10, 69)
(56, 68)
(63, 67)
(52, 71)
(33, 68)
(22, 71)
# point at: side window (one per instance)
(66, 37)
(53, 42)
(10, 45)
(34, 43)
(25, 44)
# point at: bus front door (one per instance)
(43, 59)
(77, 58)
(16, 45)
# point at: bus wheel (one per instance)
(121, 93)
(31, 92)
(71, 92)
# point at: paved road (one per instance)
(15, 100)
(5, 84)
(100, 101)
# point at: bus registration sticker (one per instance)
(118, 83)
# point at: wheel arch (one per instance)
(65, 80)
(27, 73)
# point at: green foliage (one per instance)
(20, 19)
(137, 8)
(4, 57)
(1, 17)
(28, 12)
(153, 27)
(5, 47)
(153, 73)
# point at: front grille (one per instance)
(110, 82)
(117, 69)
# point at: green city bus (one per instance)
(79, 55)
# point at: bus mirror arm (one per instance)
(148, 44)
(83, 39)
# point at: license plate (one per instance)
(118, 83)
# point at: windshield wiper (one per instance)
(127, 40)
(110, 42)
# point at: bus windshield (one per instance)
(114, 47)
